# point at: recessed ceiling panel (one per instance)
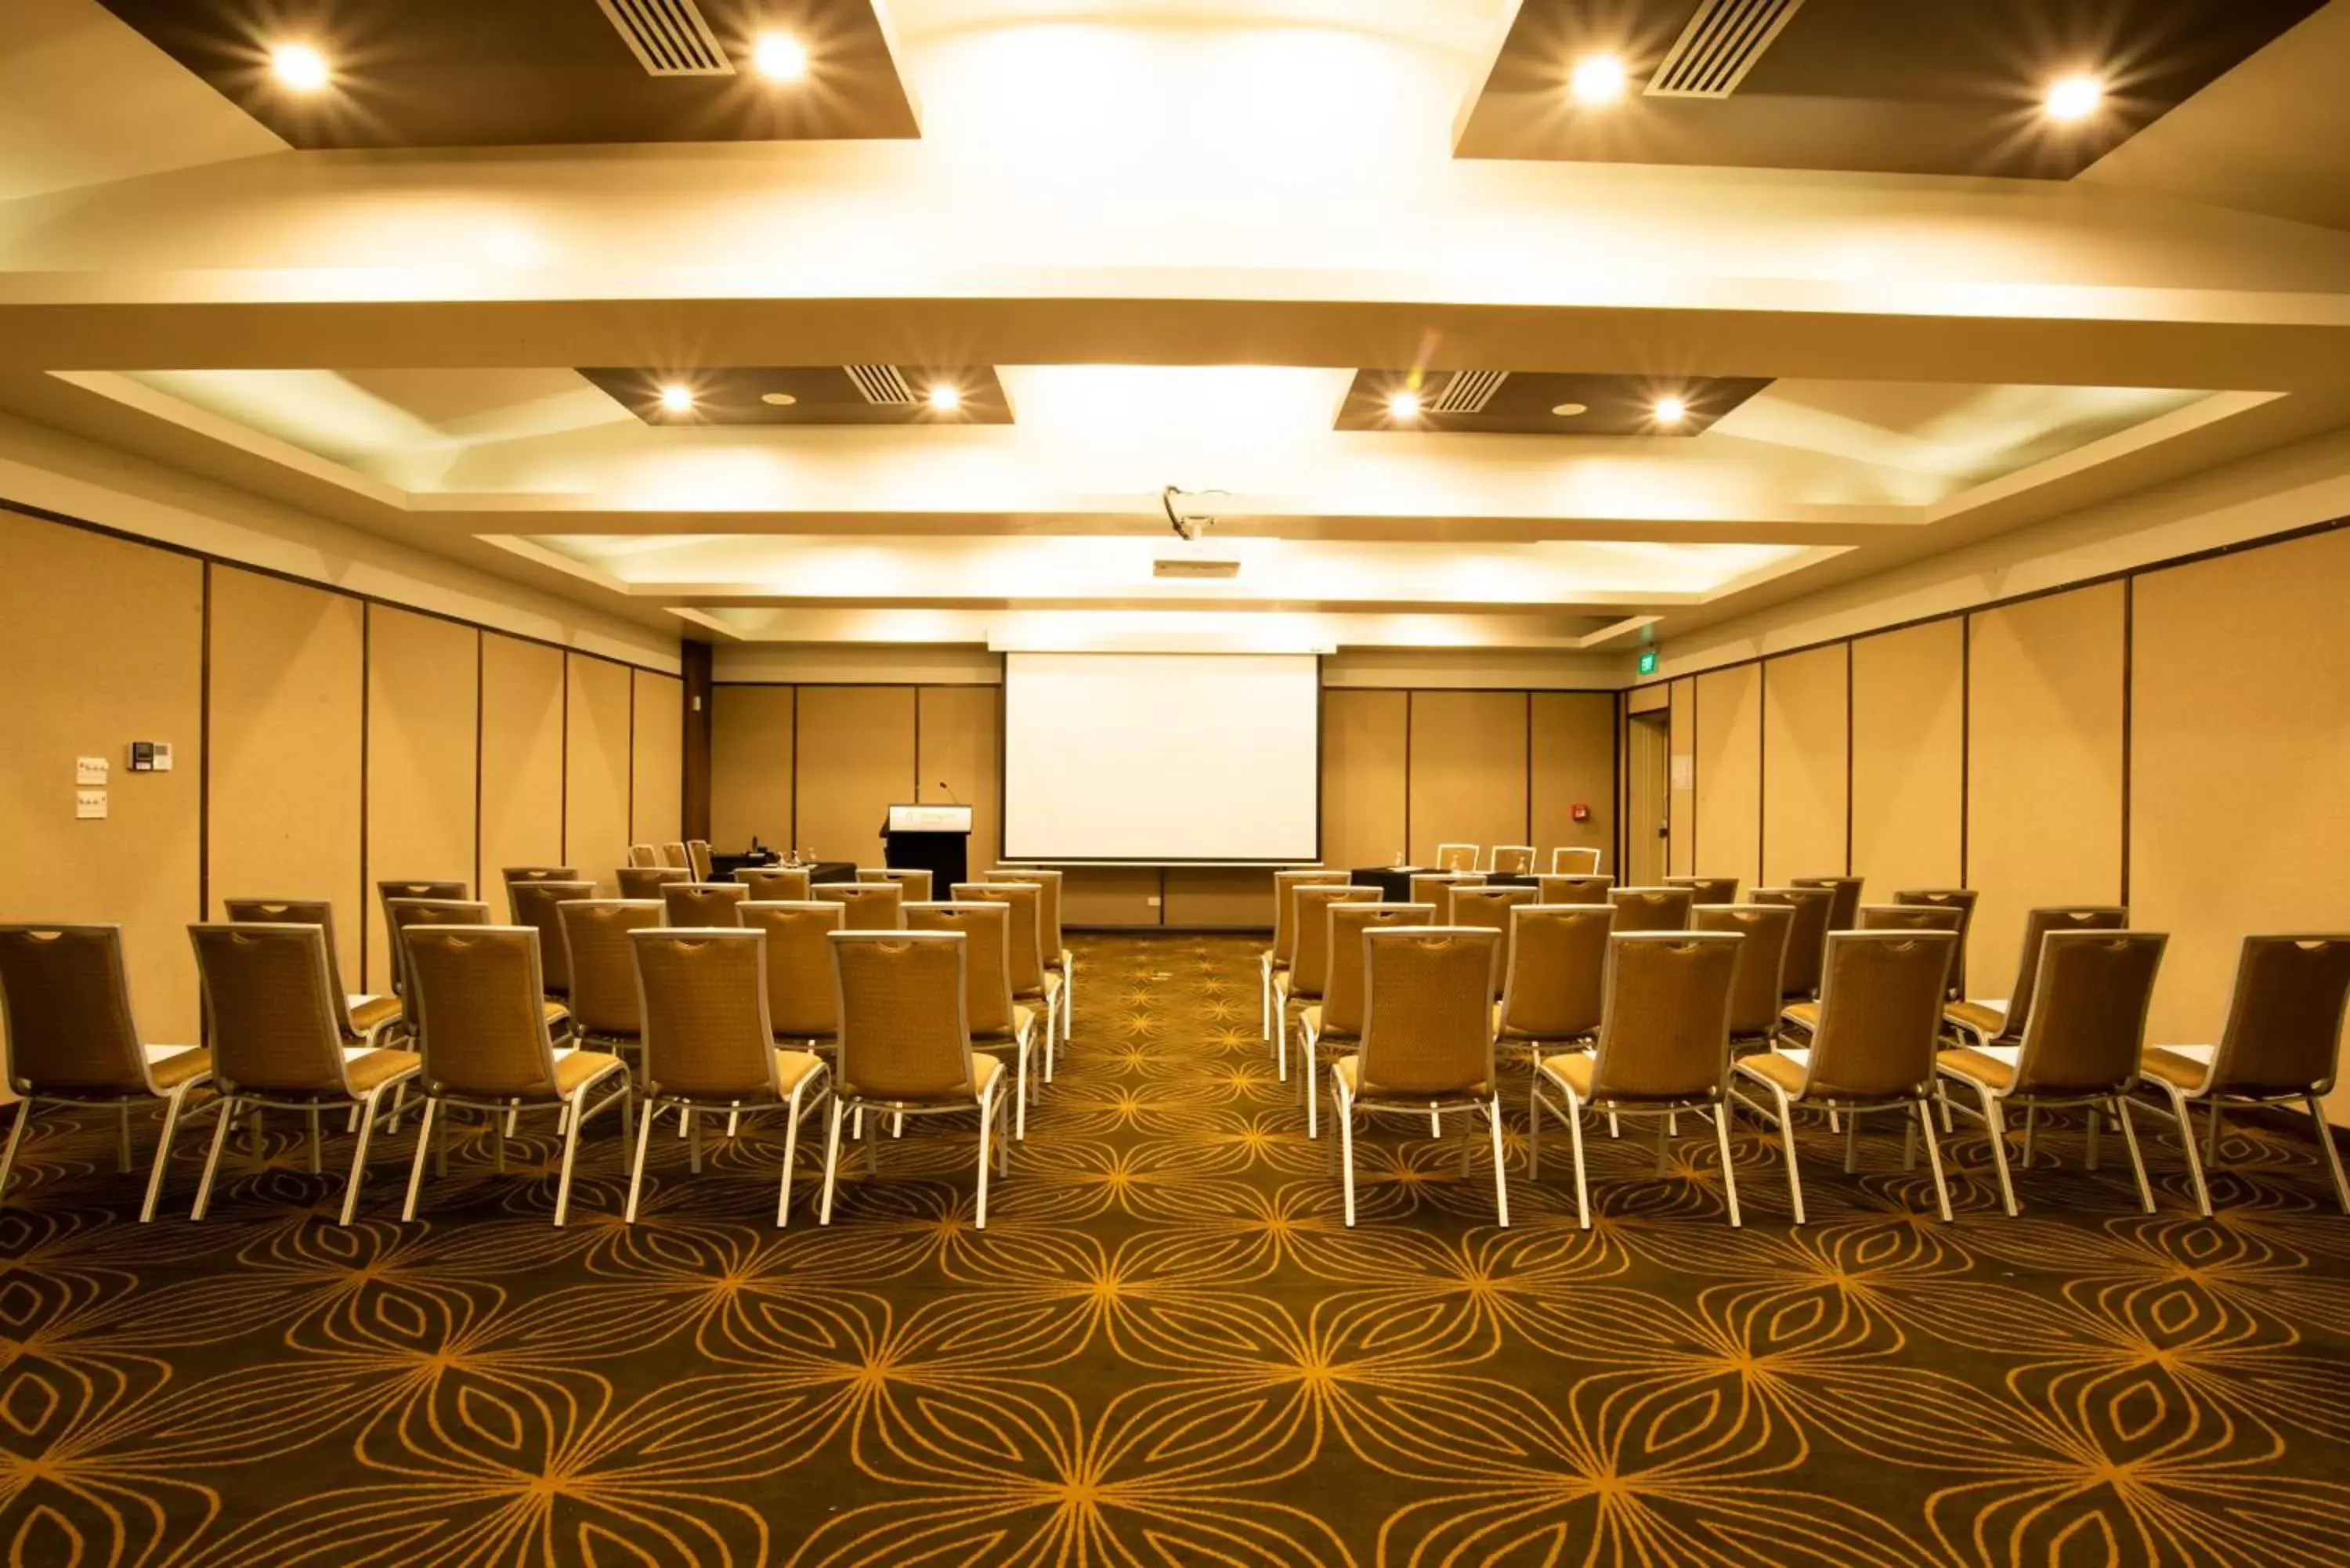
(1489, 402)
(811, 395)
(1928, 86)
(495, 73)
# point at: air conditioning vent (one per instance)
(882, 384)
(1719, 46)
(1468, 392)
(1195, 568)
(669, 38)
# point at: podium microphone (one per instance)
(951, 794)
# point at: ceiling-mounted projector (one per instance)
(1186, 514)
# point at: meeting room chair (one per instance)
(1755, 991)
(1807, 938)
(483, 1031)
(775, 884)
(1058, 959)
(607, 1013)
(906, 1047)
(1962, 900)
(2002, 1023)
(1512, 860)
(2082, 1046)
(802, 999)
(1574, 888)
(865, 906)
(1337, 1019)
(1844, 910)
(710, 1046)
(408, 914)
(385, 892)
(273, 1013)
(367, 1020)
(1574, 860)
(1651, 908)
(1805, 1015)
(1427, 1044)
(1309, 969)
(644, 855)
(539, 905)
(646, 882)
(1457, 857)
(2281, 1043)
(674, 855)
(699, 860)
(704, 904)
(1436, 887)
(1555, 979)
(1275, 959)
(513, 874)
(1873, 1048)
(996, 1021)
(915, 881)
(65, 1011)
(1031, 984)
(1490, 908)
(1706, 890)
(1664, 1048)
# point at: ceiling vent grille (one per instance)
(1719, 46)
(1468, 392)
(669, 38)
(882, 384)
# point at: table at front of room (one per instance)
(1394, 882)
(724, 867)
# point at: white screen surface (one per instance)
(1161, 756)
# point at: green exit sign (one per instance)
(1647, 661)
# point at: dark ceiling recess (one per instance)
(1921, 86)
(1521, 402)
(817, 394)
(507, 73)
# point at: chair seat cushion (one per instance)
(2183, 1067)
(1804, 1015)
(369, 1013)
(1349, 1069)
(1783, 1068)
(1570, 1069)
(1023, 1019)
(1981, 1017)
(557, 1012)
(370, 1070)
(179, 1067)
(1310, 1020)
(575, 1069)
(1977, 1067)
(985, 1070)
(795, 1067)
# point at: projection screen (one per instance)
(1161, 757)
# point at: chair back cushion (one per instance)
(385, 892)
(774, 884)
(2283, 1034)
(1708, 889)
(647, 881)
(1284, 905)
(303, 912)
(707, 1033)
(1023, 904)
(986, 924)
(1049, 910)
(1664, 1034)
(1427, 1010)
(538, 904)
(803, 1002)
(902, 1035)
(604, 999)
(2087, 1028)
(1309, 967)
(1342, 988)
(2037, 924)
(1491, 907)
(1557, 971)
(1807, 935)
(704, 904)
(1880, 1013)
(865, 905)
(1755, 991)
(276, 1019)
(1962, 900)
(403, 914)
(65, 1010)
(479, 1001)
(1844, 910)
(1651, 908)
(1573, 888)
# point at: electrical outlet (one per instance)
(89, 805)
(90, 769)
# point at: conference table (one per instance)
(1394, 882)
(724, 867)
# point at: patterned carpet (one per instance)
(1166, 1349)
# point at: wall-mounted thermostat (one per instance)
(150, 756)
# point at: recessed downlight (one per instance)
(780, 400)
(2076, 97)
(779, 57)
(1403, 405)
(299, 66)
(1598, 79)
(1671, 410)
(945, 397)
(677, 397)
(1569, 410)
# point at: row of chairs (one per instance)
(691, 856)
(1516, 859)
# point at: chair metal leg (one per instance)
(440, 1150)
(1851, 1141)
(1309, 1066)
(15, 1139)
(1908, 1145)
(636, 1166)
(831, 1159)
(1787, 1142)
(1343, 1108)
(2031, 1130)
(693, 1143)
(2097, 1117)
(360, 1154)
(570, 1149)
(2211, 1150)
(1533, 1122)
(122, 1137)
(1021, 1115)
(1575, 1139)
(226, 1114)
(423, 1142)
(790, 1155)
(499, 1131)
(1997, 1126)
(2333, 1155)
(2137, 1161)
(986, 1120)
(1934, 1159)
(1664, 1149)
(1500, 1179)
(1729, 1174)
(172, 1104)
(2185, 1118)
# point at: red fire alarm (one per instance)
(1579, 812)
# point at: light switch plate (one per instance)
(89, 805)
(90, 769)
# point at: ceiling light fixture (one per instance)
(779, 57)
(1598, 79)
(299, 66)
(2074, 98)
(1671, 410)
(1569, 410)
(677, 397)
(781, 399)
(1403, 405)
(945, 398)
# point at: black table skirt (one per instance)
(724, 867)
(1394, 882)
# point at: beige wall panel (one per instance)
(287, 700)
(1575, 762)
(1207, 896)
(1364, 746)
(522, 759)
(1110, 896)
(101, 642)
(1653, 699)
(657, 793)
(2238, 816)
(855, 755)
(960, 731)
(596, 767)
(750, 766)
(1468, 770)
(1681, 799)
(2044, 767)
(423, 683)
(1728, 749)
(1908, 741)
(1804, 765)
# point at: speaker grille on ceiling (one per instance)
(669, 38)
(882, 384)
(1467, 391)
(1719, 46)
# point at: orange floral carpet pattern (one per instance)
(1166, 1349)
